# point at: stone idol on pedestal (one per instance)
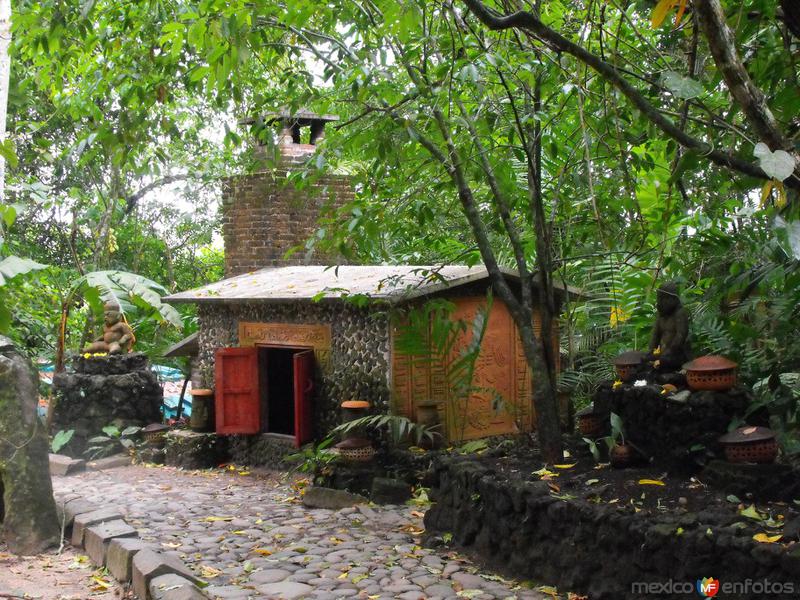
(667, 419)
(106, 384)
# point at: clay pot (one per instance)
(354, 409)
(357, 450)
(590, 423)
(620, 456)
(711, 373)
(627, 363)
(750, 445)
(428, 414)
(155, 434)
(202, 410)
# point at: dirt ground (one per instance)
(52, 576)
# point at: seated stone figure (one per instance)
(669, 344)
(117, 335)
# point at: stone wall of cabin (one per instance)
(359, 358)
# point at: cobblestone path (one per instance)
(249, 537)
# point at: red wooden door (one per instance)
(303, 387)
(238, 398)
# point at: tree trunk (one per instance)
(545, 397)
(30, 524)
(5, 74)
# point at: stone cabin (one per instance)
(283, 343)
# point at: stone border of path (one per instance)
(111, 542)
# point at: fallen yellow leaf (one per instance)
(550, 591)
(651, 482)
(412, 529)
(565, 466)
(209, 572)
(214, 519)
(766, 539)
(101, 582)
(262, 551)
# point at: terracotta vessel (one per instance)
(154, 434)
(711, 373)
(428, 414)
(627, 363)
(354, 409)
(750, 445)
(590, 423)
(355, 449)
(620, 456)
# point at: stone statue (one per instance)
(669, 344)
(117, 335)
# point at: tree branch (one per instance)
(528, 22)
(744, 91)
(132, 199)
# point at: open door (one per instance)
(303, 387)
(238, 398)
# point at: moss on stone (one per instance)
(30, 524)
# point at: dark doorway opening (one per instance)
(286, 382)
(278, 394)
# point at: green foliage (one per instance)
(12, 266)
(430, 335)
(617, 430)
(108, 98)
(316, 460)
(400, 429)
(61, 439)
(473, 447)
(779, 394)
(616, 438)
(130, 291)
(113, 441)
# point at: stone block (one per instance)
(331, 499)
(97, 537)
(389, 491)
(174, 587)
(286, 590)
(110, 462)
(149, 564)
(64, 465)
(119, 557)
(193, 450)
(71, 508)
(86, 520)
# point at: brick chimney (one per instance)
(264, 215)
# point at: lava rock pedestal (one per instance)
(672, 429)
(97, 391)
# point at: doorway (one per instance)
(286, 384)
(265, 389)
(276, 366)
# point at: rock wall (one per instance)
(359, 358)
(595, 549)
(678, 430)
(98, 391)
(261, 450)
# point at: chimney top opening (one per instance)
(293, 123)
